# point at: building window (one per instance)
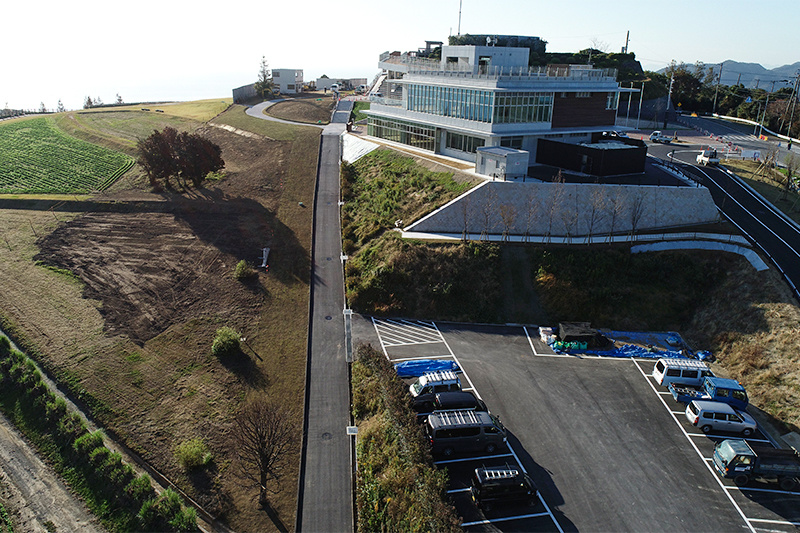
(612, 100)
(409, 133)
(276, 74)
(456, 102)
(290, 87)
(512, 142)
(463, 143)
(583, 95)
(518, 107)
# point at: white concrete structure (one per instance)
(488, 96)
(288, 80)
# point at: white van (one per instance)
(433, 382)
(680, 371)
(719, 416)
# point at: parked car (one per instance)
(717, 416)
(683, 371)
(433, 382)
(464, 431)
(498, 486)
(447, 401)
(658, 137)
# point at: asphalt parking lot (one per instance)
(608, 448)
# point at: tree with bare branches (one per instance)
(487, 209)
(531, 212)
(636, 213)
(464, 203)
(264, 433)
(616, 207)
(554, 201)
(596, 211)
(508, 213)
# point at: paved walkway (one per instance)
(325, 492)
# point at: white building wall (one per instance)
(565, 209)
(288, 80)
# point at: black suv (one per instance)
(425, 404)
(496, 486)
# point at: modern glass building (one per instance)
(478, 96)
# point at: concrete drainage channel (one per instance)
(206, 521)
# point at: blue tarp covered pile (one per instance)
(414, 369)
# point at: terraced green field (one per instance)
(36, 157)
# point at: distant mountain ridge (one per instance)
(753, 75)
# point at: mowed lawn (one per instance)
(37, 157)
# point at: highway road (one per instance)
(775, 235)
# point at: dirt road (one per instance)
(41, 500)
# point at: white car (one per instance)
(658, 137)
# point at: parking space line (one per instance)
(505, 519)
(678, 412)
(663, 393)
(454, 491)
(463, 459)
(401, 359)
(697, 450)
(712, 436)
(754, 489)
(781, 522)
(412, 343)
(453, 355)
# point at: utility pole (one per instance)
(792, 99)
(459, 16)
(719, 80)
(627, 40)
(669, 98)
(764, 115)
(641, 99)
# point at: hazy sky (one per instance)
(180, 50)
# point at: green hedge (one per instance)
(110, 487)
(397, 488)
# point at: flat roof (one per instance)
(609, 145)
(500, 150)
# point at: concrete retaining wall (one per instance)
(566, 209)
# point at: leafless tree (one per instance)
(264, 433)
(531, 212)
(597, 44)
(636, 213)
(464, 203)
(596, 211)
(569, 215)
(616, 207)
(487, 209)
(554, 201)
(508, 213)
(792, 164)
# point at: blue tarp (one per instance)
(414, 369)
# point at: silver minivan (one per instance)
(718, 416)
(464, 431)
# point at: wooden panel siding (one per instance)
(572, 112)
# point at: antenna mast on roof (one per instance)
(459, 16)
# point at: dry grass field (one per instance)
(119, 296)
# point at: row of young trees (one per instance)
(184, 156)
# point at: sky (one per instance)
(175, 50)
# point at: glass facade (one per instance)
(456, 102)
(518, 107)
(480, 105)
(465, 143)
(401, 131)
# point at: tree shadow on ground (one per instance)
(273, 515)
(245, 368)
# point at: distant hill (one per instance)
(753, 75)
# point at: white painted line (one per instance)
(678, 412)
(714, 436)
(380, 339)
(665, 393)
(506, 519)
(754, 489)
(437, 357)
(454, 491)
(552, 517)
(708, 466)
(465, 459)
(464, 372)
(411, 343)
(782, 522)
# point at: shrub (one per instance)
(193, 453)
(243, 271)
(140, 489)
(226, 342)
(87, 443)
